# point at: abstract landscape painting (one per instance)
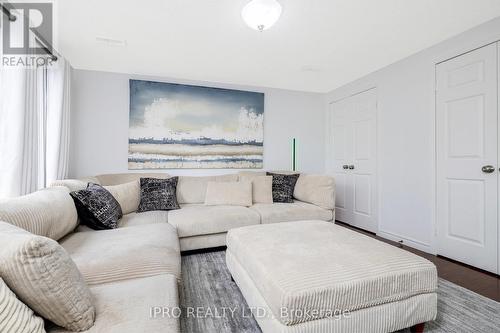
(181, 126)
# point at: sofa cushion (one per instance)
(15, 316)
(283, 187)
(41, 273)
(284, 212)
(125, 306)
(128, 195)
(49, 212)
(262, 188)
(229, 193)
(198, 219)
(316, 189)
(97, 207)
(192, 190)
(122, 178)
(203, 241)
(125, 253)
(158, 194)
(135, 219)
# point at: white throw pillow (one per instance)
(128, 195)
(15, 316)
(229, 193)
(41, 273)
(192, 190)
(316, 189)
(262, 188)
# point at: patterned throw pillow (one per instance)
(283, 187)
(158, 194)
(97, 207)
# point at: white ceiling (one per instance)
(317, 45)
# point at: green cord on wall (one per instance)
(294, 160)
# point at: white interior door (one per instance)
(467, 156)
(354, 159)
(363, 167)
(341, 146)
(498, 156)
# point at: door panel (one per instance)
(459, 215)
(340, 198)
(340, 142)
(342, 211)
(467, 125)
(470, 73)
(362, 137)
(362, 195)
(465, 128)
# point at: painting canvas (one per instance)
(183, 126)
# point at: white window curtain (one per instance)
(34, 127)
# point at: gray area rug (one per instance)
(207, 290)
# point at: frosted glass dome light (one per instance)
(261, 14)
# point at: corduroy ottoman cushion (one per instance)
(309, 270)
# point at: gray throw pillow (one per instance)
(158, 194)
(97, 207)
(283, 187)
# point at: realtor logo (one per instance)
(27, 32)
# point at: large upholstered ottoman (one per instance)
(314, 276)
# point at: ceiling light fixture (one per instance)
(261, 14)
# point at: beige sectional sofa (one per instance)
(137, 266)
(200, 226)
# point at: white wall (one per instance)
(406, 136)
(100, 116)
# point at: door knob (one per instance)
(488, 168)
(345, 167)
(351, 167)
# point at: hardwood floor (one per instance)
(481, 282)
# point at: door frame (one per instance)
(449, 54)
(329, 147)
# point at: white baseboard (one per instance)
(407, 241)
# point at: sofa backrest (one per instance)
(315, 189)
(75, 184)
(122, 178)
(50, 212)
(318, 190)
(250, 174)
(264, 173)
(190, 189)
